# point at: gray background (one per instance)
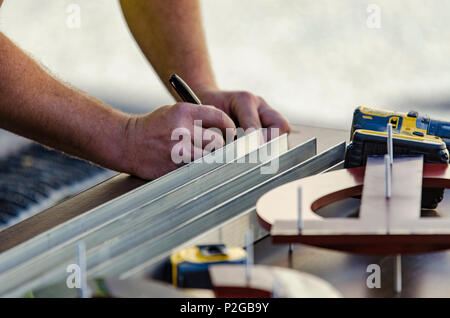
(315, 61)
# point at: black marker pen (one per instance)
(183, 90)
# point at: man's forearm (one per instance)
(36, 105)
(170, 34)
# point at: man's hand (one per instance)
(149, 144)
(40, 107)
(171, 36)
(249, 110)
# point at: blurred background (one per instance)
(315, 61)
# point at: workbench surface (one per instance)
(424, 275)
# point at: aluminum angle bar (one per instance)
(43, 263)
(128, 221)
(146, 251)
(204, 221)
(126, 202)
(167, 219)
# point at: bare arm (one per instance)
(171, 36)
(36, 105)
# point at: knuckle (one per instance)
(182, 108)
(177, 122)
(262, 102)
(246, 97)
(209, 108)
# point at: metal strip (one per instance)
(36, 271)
(138, 254)
(134, 218)
(245, 201)
(39, 266)
(338, 166)
(231, 233)
(167, 219)
(129, 201)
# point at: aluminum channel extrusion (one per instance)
(129, 201)
(244, 202)
(129, 220)
(37, 269)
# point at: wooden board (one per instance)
(277, 212)
(392, 216)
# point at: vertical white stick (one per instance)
(390, 143)
(82, 263)
(299, 207)
(387, 166)
(276, 288)
(398, 273)
(249, 249)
